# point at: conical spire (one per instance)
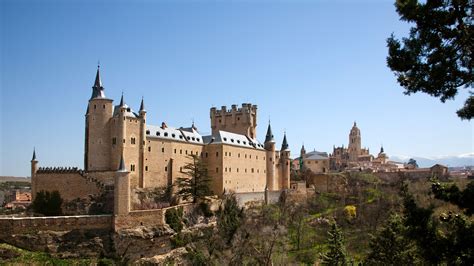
(284, 145)
(34, 155)
(122, 103)
(97, 89)
(381, 149)
(269, 136)
(122, 165)
(142, 106)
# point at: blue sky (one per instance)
(313, 67)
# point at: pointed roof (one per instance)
(142, 106)
(122, 165)
(381, 149)
(284, 145)
(269, 136)
(34, 155)
(122, 103)
(97, 89)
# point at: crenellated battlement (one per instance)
(49, 170)
(241, 120)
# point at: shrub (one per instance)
(48, 203)
(174, 218)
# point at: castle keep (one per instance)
(122, 152)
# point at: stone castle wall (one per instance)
(21, 225)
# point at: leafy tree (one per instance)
(390, 246)
(174, 219)
(229, 218)
(451, 193)
(413, 163)
(48, 203)
(196, 184)
(446, 240)
(337, 252)
(437, 57)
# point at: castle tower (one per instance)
(285, 164)
(122, 190)
(236, 120)
(97, 140)
(34, 169)
(354, 149)
(142, 117)
(270, 154)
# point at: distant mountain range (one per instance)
(450, 161)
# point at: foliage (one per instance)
(181, 239)
(205, 209)
(446, 239)
(229, 218)
(196, 184)
(24, 257)
(336, 244)
(413, 163)
(174, 218)
(48, 203)
(197, 258)
(390, 246)
(350, 212)
(437, 56)
(451, 193)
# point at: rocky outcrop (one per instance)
(142, 241)
(67, 244)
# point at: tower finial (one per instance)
(34, 154)
(122, 165)
(122, 103)
(269, 136)
(97, 89)
(142, 106)
(284, 145)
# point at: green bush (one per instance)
(48, 203)
(181, 240)
(174, 218)
(205, 209)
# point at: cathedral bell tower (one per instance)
(354, 149)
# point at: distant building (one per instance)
(17, 199)
(316, 161)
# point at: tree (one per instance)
(229, 218)
(390, 245)
(197, 181)
(337, 252)
(451, 193)
(413, 163)
(48, 203)
(447, 239)
(437, 57)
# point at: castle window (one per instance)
(230, 169)
(217, 154)
(238, 118)
(226, 169)
(114, 141)
(232, 140)
(149, 148)
(132, 140)
(95, 106)
(181, 169)
(246, 170)
(220, 120)
(180, 137)
(250, 156)
(258, 170)
(237, 170)
(206, 154)
(132, 167)
(230, 154)
(157, 133)
(166, 134)
(197, 139)
(189, 138)
(191, 152)
(238, 155)
(257, 157)
(217, 169)
(146, 168)
(252, 170)
(186, 151)
(162, 149)
(166, 168)
(238, 141)
(225, 153)
(175, 151)
(245, 156)
(225, 139)
(245, 142)
(173, 135)
(123, 140)
(180, 151)
(103, 106)
(194, 138)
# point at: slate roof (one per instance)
(224, 137)
(177, 134)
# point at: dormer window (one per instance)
(238, 141)
(232, 140)
(157, 133)
(166, 134)
(225, 139)
(194, 138)
(188, 138)
(173, 135)
(148, 132)
(180, 137)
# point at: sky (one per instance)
(312, 67)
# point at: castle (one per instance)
(122, 152)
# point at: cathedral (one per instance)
(123, 152)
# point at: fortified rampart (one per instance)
(71, 182)
(23, 225)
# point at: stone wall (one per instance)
(155, 217)
(21, 225)
(248, 198)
